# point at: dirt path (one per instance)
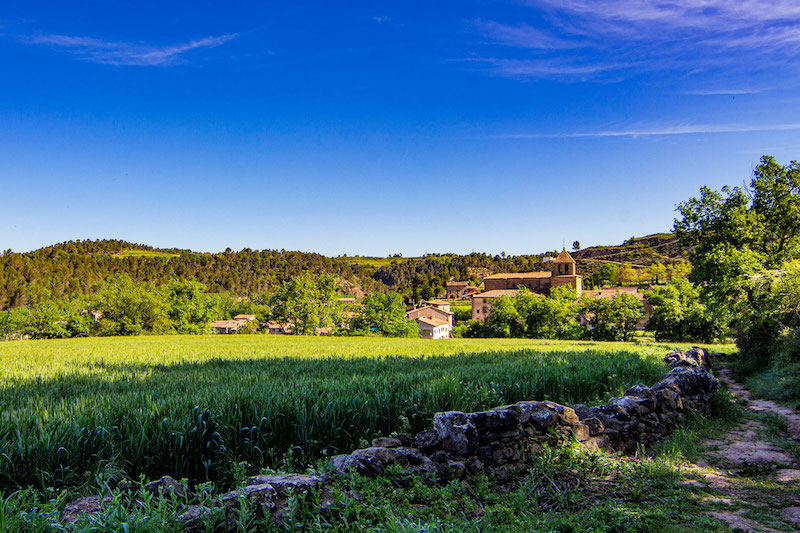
(749, 476)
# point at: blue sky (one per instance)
(375, 127)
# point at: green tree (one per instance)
(307, 303)
(613, 319)
(679, 315)
(190, 310)
(742, 241)
(385, 314)
(132, 308)
(553, 317)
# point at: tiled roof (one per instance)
(430, 308)
(436, 302)
(226, 324)
(457, 283)
(564, 257)
(435, 322)
(495, 293)
(520, 275)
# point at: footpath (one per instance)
(749, 476)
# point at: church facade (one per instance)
(562, 273)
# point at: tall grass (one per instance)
(192, 406)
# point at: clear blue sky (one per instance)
(375, 127)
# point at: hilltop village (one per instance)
(435, 319)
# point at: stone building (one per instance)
(562, 272)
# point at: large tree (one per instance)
(307, 303)
(744, 243)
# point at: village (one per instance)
(434, 317)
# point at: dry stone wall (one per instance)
(497, 441)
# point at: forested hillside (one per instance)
(75, 268)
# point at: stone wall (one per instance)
(497, 441)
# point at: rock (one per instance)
(565, 414)
(427, 440)
(668, 400)
(385, 442)
(166, 485)
(406, 439)
(82, 506)
(582, 411)
(595, 426)
(456, 469)
(473, 464)
(497, 419)
(456, 431)
(373, 461)
(539, 415)
(192, 518)
(263, 495)
(581, 432)
(285, 484)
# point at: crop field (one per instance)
(198, 406)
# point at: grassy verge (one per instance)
(564, 489)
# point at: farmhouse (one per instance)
(433, 328)
(224, 327)
(456, 290)
(507, 284)
(433, 322)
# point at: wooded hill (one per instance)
(75, 268)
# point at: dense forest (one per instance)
(75, 268)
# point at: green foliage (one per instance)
(131, 308)
(530, 315)
(613, 320)
(746, 246)
(385, 314)
(195, 406)
(190, 310)
(307, 303)
(678, 315)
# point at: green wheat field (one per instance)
(198, 407)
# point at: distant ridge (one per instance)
(76, 268)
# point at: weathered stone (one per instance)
(595, 426)
(82, 506)
(192, 518)
(646, 395)
(166, 485)
(385, 442)
(505, 454)
(285, 484)
(582, 411)
(473, 464)
(581, 432)
(501, 418)
(668, 400)
(373, 461)
(456, 431)
(456, 469)
(263, 495)
(540, 416)
(427, 440)
(406, 439)
(565, 414)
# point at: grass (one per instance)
(564, 489)
(143, 253)
(193, 406)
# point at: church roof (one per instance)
(564, 257)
